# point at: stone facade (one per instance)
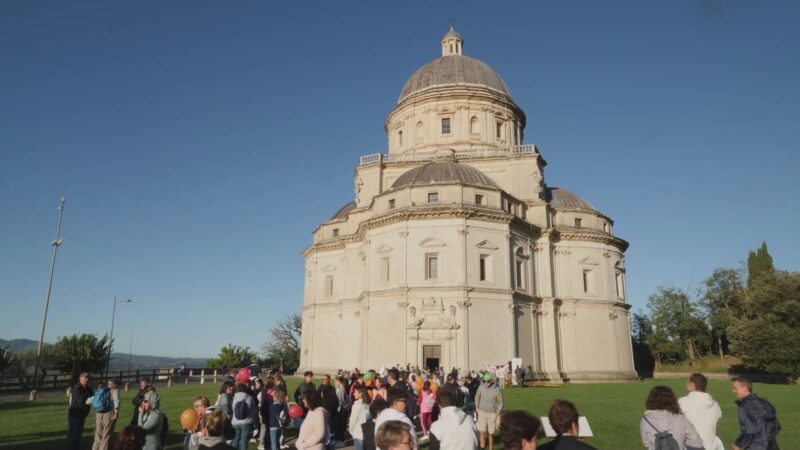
(455, 252)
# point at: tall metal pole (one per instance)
(130, 352)
(111, 337)
(56, 243)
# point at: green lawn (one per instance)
(613, 410)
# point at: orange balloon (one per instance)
(419, 383)
(190, 419)
(434, 388)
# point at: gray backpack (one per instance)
(664, 439)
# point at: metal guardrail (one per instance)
(58, 381)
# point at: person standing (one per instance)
(359, 413)
(427, 400)
(454, 430)
(330, 402)
(702, 411)
(518, 430)
(144, 388)
(488, 404)
(151, 420)
(758, 420)
(213, 435)
(225, 399)
(395, 412)
(244, 411)
(106, 407)
(277, 408)
(663, 416)
(78, 410)
(308, 383)
(313, 432)
(563, 417)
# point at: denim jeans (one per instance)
(358, 444)
(275, 438)
(242, 437)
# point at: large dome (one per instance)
(562, 198)
(453, 69)
(444, 172)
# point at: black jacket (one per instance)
(298, 393)
(758, 422)
(329, 399)
(77, 402)
(458, 395)
(368, 430)
(566, 443)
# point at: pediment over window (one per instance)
(383, 248)
(589, 261)
(486, 245)
(329, 268)
(432, 242)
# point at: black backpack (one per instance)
(164, 428)
(664, 439)
(241, 410)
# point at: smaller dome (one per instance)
(452, 34)
(444, 172)
(344, 211)
(560, 198)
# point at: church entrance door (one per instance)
(431, 356)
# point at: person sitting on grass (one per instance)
(563, 417)
(663, 421)
(518, 430)
(213, 432)
(395, 435)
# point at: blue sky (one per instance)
(200, 143)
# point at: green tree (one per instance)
(81, 353)
(7, 358)
(675, 323)
(759, 263)
(232, 357)
(285, 341)
(722, 300)
(25, 361)
(767, 335)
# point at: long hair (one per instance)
(662, 398)
(131, 438)
(313, 398)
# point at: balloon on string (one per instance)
(369, 375)
(190, 419)
(434, 387)
(295, 412)
(419, 383)
(243, 376)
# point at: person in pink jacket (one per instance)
(427, 401)
(314, 430)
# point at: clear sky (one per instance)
(199, 143)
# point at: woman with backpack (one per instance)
(152, 421)
(663, 427)
(427, 401)
(245, 415)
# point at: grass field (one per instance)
(613, 410)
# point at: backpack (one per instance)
(102, 400)
(164, 428)
(241, 411)
(664, 439)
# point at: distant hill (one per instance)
(119, 361)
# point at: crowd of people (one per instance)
(398, 409)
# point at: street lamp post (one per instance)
(111, 338)
(56, 243)
(130, 352)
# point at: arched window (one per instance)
(474, 125)
(420, 132)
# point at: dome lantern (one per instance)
(452, 43)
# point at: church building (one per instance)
(455, 252)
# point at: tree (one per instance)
(233, 356)
(25, 361)
(7, 358)
(723, 302)
(759, 263)
(81, 353)
(767, 335)
(676, 323)
(643, 360)
(285, 341)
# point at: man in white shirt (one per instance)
(702, 411)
